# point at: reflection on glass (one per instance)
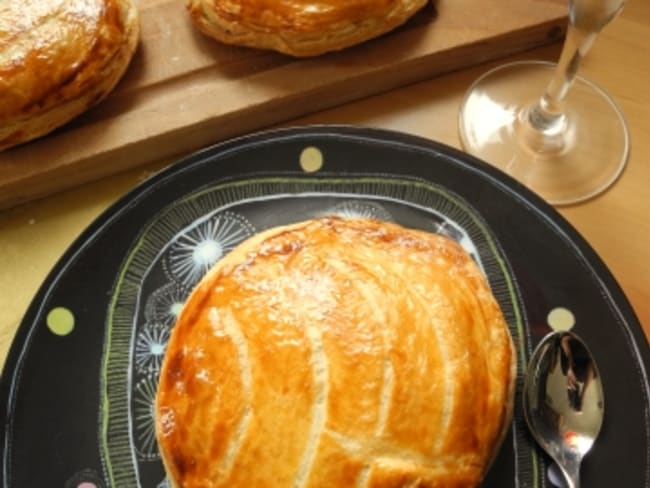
(559, 134)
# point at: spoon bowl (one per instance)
(563, 401)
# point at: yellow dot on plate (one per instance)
(311, 159)
(60, 321)
(561, 319)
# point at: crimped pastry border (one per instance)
(307, 36)
(61, 103)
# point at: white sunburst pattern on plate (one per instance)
(154, 287)
(359, 208)
(194, 252)
(144, 429)
(164, 305)
(150, 346)
(446, 228)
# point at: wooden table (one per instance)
(617, 224)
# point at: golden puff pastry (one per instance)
(337, 353)
(300, 27)
(57, 59)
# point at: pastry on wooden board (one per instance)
(300, 27)
(58, 58)
(333, 353)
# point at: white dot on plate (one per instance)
(175, 309)
(561, 318)
(207, 252)
(311, 159)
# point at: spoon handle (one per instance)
(570, 467)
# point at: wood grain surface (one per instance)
(183, 90)
(33, 236)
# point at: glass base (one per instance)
(579, 158)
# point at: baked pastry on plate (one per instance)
(300, 27)
(57, 59)
(337, 352)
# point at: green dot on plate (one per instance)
(60, 321)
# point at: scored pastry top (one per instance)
(337, 352)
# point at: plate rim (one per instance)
(634, 333)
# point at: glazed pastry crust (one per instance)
(300, 27)
(57, 59)
(337, 352)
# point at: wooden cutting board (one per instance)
(184, 91)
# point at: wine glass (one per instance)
(566, 139)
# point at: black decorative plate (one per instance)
(77, 389)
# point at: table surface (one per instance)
(616, 224)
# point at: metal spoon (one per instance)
(563, 401)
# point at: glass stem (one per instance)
(547, 112)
